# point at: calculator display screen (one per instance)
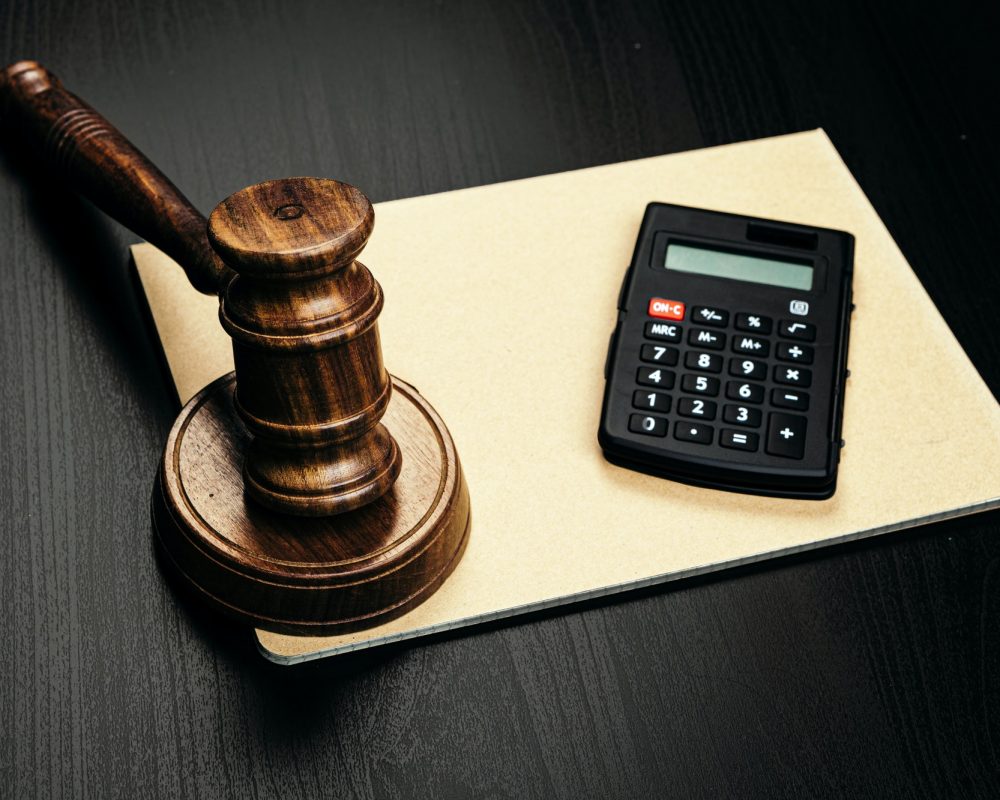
(739, 266)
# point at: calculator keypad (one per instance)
(753, 419)
(648, 425)
(710, 340)
(658, 354)
(655, 376)
(753, 323)
(703, 362)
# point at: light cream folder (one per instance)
(499, 302)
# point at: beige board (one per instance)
(499, 302)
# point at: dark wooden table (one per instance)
(868, 670)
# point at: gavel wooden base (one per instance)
(321, 575)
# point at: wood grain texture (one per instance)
(313, 574)
(873, 670)
(96, 160)
(302, 314)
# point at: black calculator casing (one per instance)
(811, 475)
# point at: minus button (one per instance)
(790, 398)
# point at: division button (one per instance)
(753, 323)
(663, 331)
(751, 345)
(801, 353)
(790, 398)
(786, 435)
(705, 315)
(793, 376)
(703, 362)
(656, 377)
(658, 354)
(738, 440)
(693, 432)
(710, 340)
(665, 309)
(794, 329)
(651, 401)
(696, 407)
(650, 426)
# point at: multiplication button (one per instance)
(656, 377)
(786, 435)
(650, 426)
(792, 376)
(693, 432)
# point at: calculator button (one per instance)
(663, 331)
(700, 384)
(793, 376)
(693, 432)
(738, 440)
(696, 407)
(651, 401)
(710, 340)
(650, 426)
(802, 353)
(748, 368)
(658, 354)
(742, 415)
(751, 345)
(704, 315)
(703, 362)
(747, 392)
(665, 309)
(753, 323)
(654, 376)
(789, 398)
(794, 329)
(786, 435)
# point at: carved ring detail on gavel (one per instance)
(355, 506)
(310, 384)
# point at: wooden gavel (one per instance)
(310, 392)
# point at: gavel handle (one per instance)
(104, 166)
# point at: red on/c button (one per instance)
(666, 309)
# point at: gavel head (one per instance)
(310, 383)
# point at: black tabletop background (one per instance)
(866, 670)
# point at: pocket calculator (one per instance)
(728, 362)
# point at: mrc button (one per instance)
(665, 309)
